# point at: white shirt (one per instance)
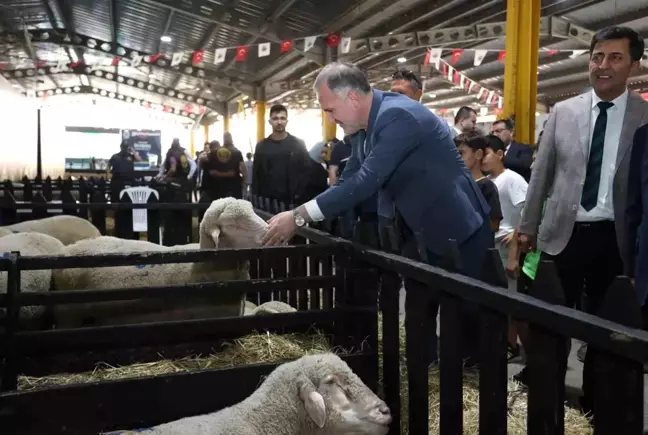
(512, 189)
(604, 209)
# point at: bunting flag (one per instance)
(286, 46)
(176, 59)
(241, 53)
(333, 40)
(456, 54)
(479, 57)
(456, 77)
(137, 60)
(219, 55)
(501, 56)
(264, 49)
(435, 56)
(197, 57)
(154, 57)
(309, 42)
(115, 61)
(345, 45)
(576, 53)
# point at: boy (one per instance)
(472, 147)
(512, 188)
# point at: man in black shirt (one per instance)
(280, 162)
(223, 172)
(339, 156)
(122, 164)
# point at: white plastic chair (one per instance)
(139, 195)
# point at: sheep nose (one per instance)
(383, 408)
(382, 414)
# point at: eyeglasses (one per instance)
(407, 75)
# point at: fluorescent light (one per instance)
(402, 60)
(165, 38)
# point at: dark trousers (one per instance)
(588, 264)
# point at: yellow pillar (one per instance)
(226, 126)
(206, 130)
(521, 67)
(328, 128)
(260, 120)
(192, 146)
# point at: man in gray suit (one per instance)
(582, 173)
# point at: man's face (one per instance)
(469, 123)
(404, 87)
(610, 66)
(499, 129)
(278, 121)
(344, 112)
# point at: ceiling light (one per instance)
(165, 38)
(402, 60)
(15, 85)
(151, 76)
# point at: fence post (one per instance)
(9, 372)
(616, 383)
(47, 188)
(99, 214)
(8, 212)
(546, 360)
(153, 221)
(39, 212)
(493, 373)
(390, 285)
(28, 192)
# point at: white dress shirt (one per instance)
(604, 209)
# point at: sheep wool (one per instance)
(68, 229)
(313, 395)
(30, 244)
(273, 307)
(4, 232)
(227, 222)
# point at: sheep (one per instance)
(315, 394)
(249, 307)
(227, 222)
(30, 244)
(68, 229)
(5, 232)
(272, 307)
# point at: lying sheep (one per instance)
(316, 394)
(272, 307)
(249, 307)
(68, 229)
(30, 244)
(227, 222)
(4, 232)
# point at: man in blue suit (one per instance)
(637, 219)
(409, 159)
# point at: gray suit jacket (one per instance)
(559, 171)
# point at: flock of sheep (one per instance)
(316, 394)
(228, 223)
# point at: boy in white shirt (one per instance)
(512, 188)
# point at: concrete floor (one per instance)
(573, 379)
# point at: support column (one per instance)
(226, 119)
(328, 128)
(192, 145)
(206, 130)
(260, 120)
(521, 67)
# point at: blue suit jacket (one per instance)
(519, 158)
(409, 158)
(637, 214)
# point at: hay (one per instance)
(272, 348)
(251, 349)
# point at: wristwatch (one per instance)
(299, 219)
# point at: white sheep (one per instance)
(249, 307)
(227, 222)
(30, 244)
(68, 229)
(272, 307)
(314, 395)
(5, 232)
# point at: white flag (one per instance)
(177, 58)
(264, 49)
(577, 53)
(490, 97)
(60, 67)
(462, 80)
(479, 56)
(450, 73)
(500, 103)
(309, 42)
(219, 55)
(435, 57)
(481, 92)
(345, 45)
(136, 60)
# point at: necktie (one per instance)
(593, 175)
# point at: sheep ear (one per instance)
(215, 234)
(209, 239)
(314, 404)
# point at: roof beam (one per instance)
(167, 24)
(264, 25)
(66, 19)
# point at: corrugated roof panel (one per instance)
(605, 10)
(92, 18)
(186, 32)
(30, 12)
(140, 25)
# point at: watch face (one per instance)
(299, 220)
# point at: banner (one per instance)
(147, 143)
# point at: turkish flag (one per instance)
(333, 40)
(552, 52)
(241, 53)
(427, 58)
(286, 46)
(115, 61)
(456, 54)
(188, 108)
(154, 57)
(197, 57)
(502, 56)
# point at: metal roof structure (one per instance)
(46, 32)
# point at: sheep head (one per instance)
(337, 401)
(231, 223)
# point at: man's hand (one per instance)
(527, 243)
(281, 228)
(508, 239)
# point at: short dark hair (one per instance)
(248, 155)
(278, 108)
(408, 76)
(636, 42)
(473, 139)
(508, 123)
(463, 113)
(214, 143)
(495, 143)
